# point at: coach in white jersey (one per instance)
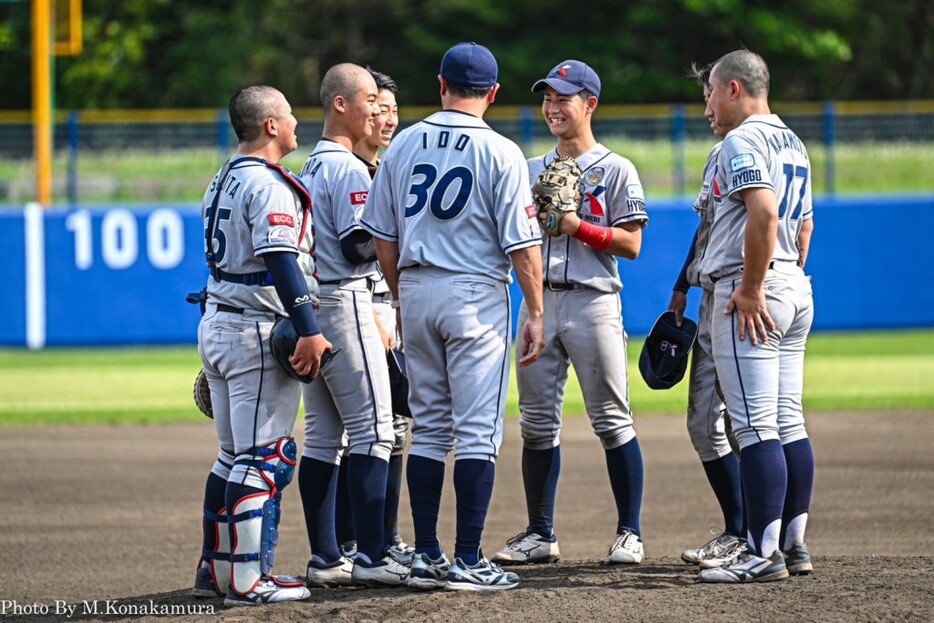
(451, 210)
(353, 392)
(254, 213)
(762, 313)
(707, 425)
(583, 324)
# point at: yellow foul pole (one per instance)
(42, 99)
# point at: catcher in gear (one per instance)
(557, 192)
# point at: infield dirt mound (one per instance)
(109, 518)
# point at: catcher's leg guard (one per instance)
(253, 519)
(213, 573)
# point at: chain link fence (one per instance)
(146, 155)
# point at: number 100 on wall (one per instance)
(120, 239)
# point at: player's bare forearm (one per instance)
(387, 253)
(804, 241)
(527, 263)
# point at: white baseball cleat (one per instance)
(382, 573)
(528, 548)
(270, 589)
(724, 547)
(627, 549)
(483, 576)
(322, 574)
(427, 574)
(747, 568)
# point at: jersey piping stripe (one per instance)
(457, 127)
(503, 371)
(259, 390)
(522, 244)
(378, 232)
(739, 373)
(366, 367)
(771, 125)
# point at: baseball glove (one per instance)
(202, 394)
(557, 192)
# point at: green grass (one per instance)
(181, 175)
(843, 372)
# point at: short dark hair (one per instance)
(383, 81)
(747, 68)
(701, 73)
(249, 108)
(459, 90)
(586, 95)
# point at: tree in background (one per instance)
(169, 53)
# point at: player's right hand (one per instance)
(308, 352)
(533, 341)
(677, 304)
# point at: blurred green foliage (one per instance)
(170, 53)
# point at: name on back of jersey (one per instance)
(780, 141)
(444, 141)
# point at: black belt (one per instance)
(560, 287)
(230, 309)
(370, 284)
(716, 279)
(262, 278)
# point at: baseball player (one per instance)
(352, 394)
(705, 417)
(367, 150)
(583, 324)
(762, 313)
(451, 212)
(255, 213)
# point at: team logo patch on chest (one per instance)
(594, 175)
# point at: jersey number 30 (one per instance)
(427, 192)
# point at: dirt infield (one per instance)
(106, 520)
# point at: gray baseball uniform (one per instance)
(454, 243)
(705, 421)
(583, 312)
(762, 383)
(354, 389)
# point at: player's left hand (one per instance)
(678, 303)
(752, 314)
(533, 341)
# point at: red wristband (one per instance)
(596, 236)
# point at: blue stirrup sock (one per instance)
(425, 478)
(723, 474)
(214, 492)
(317, 484)
(393, 493)
(799, 458)
(624, 465)
(366, 476)
(764, 482)
(473, 484)
(540, 470)
(343, 514)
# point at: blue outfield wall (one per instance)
(118, 276)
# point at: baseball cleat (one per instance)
(348, 550)
(528, 548)
(402, 553)
(323, 574)
(483, 576)
(204, 583)
(798, 560)
(427, 574)
(627, 549)
(720, 549)
(747, 568)
(385, 572)
(270, 589)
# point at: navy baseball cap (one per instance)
(664, 357)
(569, 78)
(470, 65)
